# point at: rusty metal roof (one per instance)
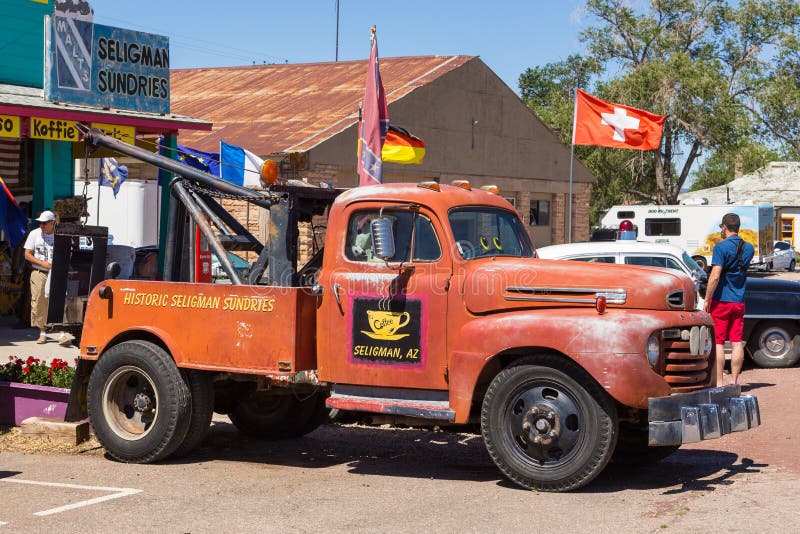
(290, 108)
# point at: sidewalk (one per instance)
(22, 343)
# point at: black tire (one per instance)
(701, 262)
(775, 344)
(792, 265)
(268, 416)
(632, 448)
(201, 388)
(553, 400)
(139, 403)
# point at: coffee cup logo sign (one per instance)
(387, 331)
(384, 324)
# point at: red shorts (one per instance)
(728, 321)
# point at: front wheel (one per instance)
(775, 344)
(139, 403)
(792, 265)
(548, 425)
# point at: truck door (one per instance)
(384, 324)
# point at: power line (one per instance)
(216, 48)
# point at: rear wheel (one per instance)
(201, 388)
(548, 425)
(792, 265)
(270, 416)
(139, 403)
(775, 344)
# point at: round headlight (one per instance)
(653, 350)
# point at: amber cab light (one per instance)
(491, 188)
(269, 172)
(464, 184)
(433, 186)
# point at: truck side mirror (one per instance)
(382, 238)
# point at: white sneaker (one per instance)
(64, 340)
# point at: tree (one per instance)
(721, 74)
(723, 166)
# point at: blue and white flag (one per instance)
(112, 174)
(239, 165)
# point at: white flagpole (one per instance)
(571, 159)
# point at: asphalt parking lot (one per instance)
(359, 478)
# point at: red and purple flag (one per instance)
(374, 124)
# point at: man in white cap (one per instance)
(39, 252)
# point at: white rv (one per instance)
(696, 228)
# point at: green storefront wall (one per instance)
(53, 173)
(22, 41)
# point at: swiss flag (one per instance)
(602, 123)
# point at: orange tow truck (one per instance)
(427, 301)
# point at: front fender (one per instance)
(610, 347)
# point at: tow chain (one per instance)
(227, 196)
(85, 194)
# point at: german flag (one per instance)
(402, 147)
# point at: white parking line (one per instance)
(116, 493)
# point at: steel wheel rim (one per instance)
(527, 416)
(130, 403)
(775, 342)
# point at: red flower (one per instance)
(25, 371)
(30, 360)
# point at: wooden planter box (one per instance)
(19, 401)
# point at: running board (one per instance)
(425, 404)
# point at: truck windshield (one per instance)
(485, 232)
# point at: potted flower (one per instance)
(33, 388)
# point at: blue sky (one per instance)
(509, 36)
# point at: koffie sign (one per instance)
(104, 66)
(386, 331)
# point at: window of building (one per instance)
(540, 212)
(665, 226)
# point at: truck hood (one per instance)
(502, 284)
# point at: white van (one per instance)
(696, 228)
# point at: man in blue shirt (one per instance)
(725, 294)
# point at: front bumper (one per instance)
(705, 414)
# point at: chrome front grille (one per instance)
(682, 370)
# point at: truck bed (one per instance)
(243, 329)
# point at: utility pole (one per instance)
(337, 30)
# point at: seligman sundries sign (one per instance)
(104, 66)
